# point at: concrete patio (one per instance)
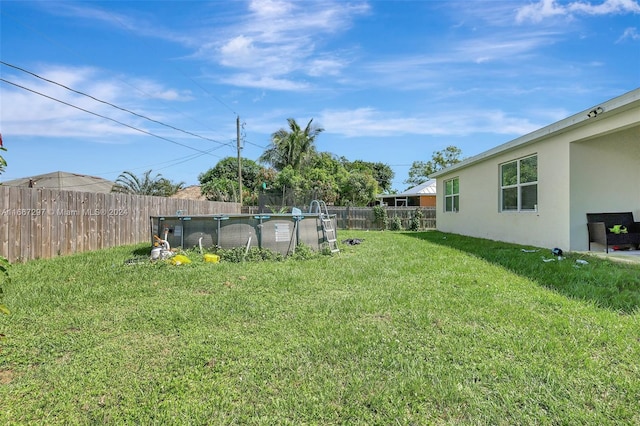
(632, 256)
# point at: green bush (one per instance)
(380, 217)
(414, 224)
(254, 254)
(303, 252)
(396, 224)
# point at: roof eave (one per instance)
(580, 119)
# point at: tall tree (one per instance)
(215, 183)
(381, 172)
(3, 162)
(359, 188)
(157, 185)
(421, 170)
(221, 189)
(294, 147)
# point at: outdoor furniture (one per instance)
(600, 227)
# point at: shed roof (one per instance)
(65, 181)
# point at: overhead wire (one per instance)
(108, 103)
(102, 116)
(128, 29)
(53, 41)
(171, 163)
(207, 92)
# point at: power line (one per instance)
(208, 93)
(116, 18)
(169, 163)
(103, 116)
(108, 103)
(128, 29)
(52, 41)
(255, 144)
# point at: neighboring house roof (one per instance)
(619, 104)
(63, 180)
(423, 195)
(425, 188)
(190, 193)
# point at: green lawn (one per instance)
(405, 328)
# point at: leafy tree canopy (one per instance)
(358, 189)
(3, 162)
(221, 189)
(298, 168)
(382, 173)
(421, 170)
(220, 183)
(294, 147)
(157, 185)
(227, 168)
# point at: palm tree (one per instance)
(293, 147)
(129, 183)
(3, 162)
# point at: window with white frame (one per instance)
(519, 185)
(452, 195)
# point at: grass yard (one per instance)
(405, 328)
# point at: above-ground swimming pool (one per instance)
(280, 233)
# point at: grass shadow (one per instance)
(605, 283)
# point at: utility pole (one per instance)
(239, 159)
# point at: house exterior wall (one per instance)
(428, 201)
(480, 216)
(591, 166)
(605, 177)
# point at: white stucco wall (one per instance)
(480, 214)
(605, 177)
(585, 165)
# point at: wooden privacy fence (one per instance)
(364, 217)
(45, 223)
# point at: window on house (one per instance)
(452, 195)
(519, 184)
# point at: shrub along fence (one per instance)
(365, 217)
(45, 223)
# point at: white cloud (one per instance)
(630, 33)
(264, 82)
(501, 47)
(270, 8)
(543, 9)
(282, 38)
(271, 39)
(118, 21)
(536, 12)
(40, 108)
(238, 52)
(608, 7)
(323, 67)
(370, 122)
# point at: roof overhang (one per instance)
(616, 105)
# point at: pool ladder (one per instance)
(328, 231)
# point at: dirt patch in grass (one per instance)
(6, 377)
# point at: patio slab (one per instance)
(631, 256)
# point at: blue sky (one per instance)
(389, 81)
